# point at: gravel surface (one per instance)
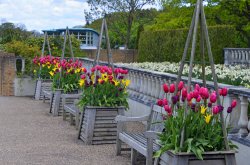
(30, 135)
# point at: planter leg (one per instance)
(230, 160)
(133, 156)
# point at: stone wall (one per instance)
(125, 56)
(7, 74)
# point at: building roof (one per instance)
(78, 29)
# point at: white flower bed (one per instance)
(233, 75)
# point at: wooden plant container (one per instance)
(56, 105)
(41, 85)
(98, 125)
(209, 158)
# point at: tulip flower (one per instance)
(165, 88)
(215, 110)
(197, 87)
(180, 85)
(184, 92)
(189, 97)
(160, 102)
(213, 97)
(165, 101)
(209, 105)
(234, 103)
(204, 93)
(167, 108)
(223, 91)
(203, 109)
(220, 108)
(175, 99)
(198, 99)
(229, 109)
(195, 94)
(172, 88)
(208, 118)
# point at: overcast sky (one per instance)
(43, 14)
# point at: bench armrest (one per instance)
(121, 118)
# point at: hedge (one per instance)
(168, 45)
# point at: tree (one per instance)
(237, 13)
(127, 8)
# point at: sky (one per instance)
(43, 14)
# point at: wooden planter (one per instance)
(210, 158)
(42, 85)
(98, 125)
(56, 107)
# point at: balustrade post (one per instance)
(248, 137)
(161, 94)
(243, 122)
(130, 87)
(145, 87)
(234, 117)
(141, 85)
(158, 87)
(226, 57)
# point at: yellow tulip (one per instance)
(54, 69)
(49, 66)
(116, 82)
(203, 109)
(51, 73)
(43, 65)
(34, 71)
(81, 82)
(208, 118)
(77, 70)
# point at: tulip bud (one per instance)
(195, 94)
(189, 97)
(160, 102)
(165, 101)
(198, 99)
(172, 88)
(167, 108)
(180, 85)
(223, 92)
(197, 87)
(234, 103)
(215, 110)
(184, 93)
(165, 88)
(229, 109)
(213, 97)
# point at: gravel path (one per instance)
(30, 135)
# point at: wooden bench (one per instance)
(71, 109)
(143, 142)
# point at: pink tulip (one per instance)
(204, 93)
(160, 102)
(189, 97)
(83, 76)
(168, 109)
(172, 88)
(198, 99)
(184, 93)
(165, 88)
(216, 110)
(165, 101)
(197, 87)
(223, 91)
(213, 97)
(180, 85)
(195, 94)
(234, 103)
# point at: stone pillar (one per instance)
(243, 122)
(248, 137)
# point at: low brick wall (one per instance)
(125, 56)
(7, 74)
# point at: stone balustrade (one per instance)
(146, 88)
(237, 56)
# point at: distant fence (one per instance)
(237, 56)
(125, 56)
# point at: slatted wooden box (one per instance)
(209, 158)
(98, 125)
(41, 85)
(56, 105)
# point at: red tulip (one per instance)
(215, 110)
(83, 76)
(172, 88)
(165, 101)
(184, 93)
(204, 93)
(223, 91)
(160, 102)
(213, 97)
(165, 88)
(180, 85)
(234, 103)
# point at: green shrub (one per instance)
(168, 45)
